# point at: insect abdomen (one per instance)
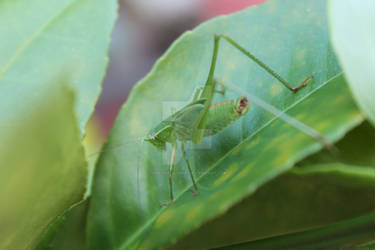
(221, 115)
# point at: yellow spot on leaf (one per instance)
(215, 196)
(301, 116)
(280, 159)
(236, 151)
(136, 126)
(253, 142)
(323, 125)
(244, 172)
(231, 65)
(163, 218)
(275, 89)
(193, 213)
(301, 55)
(340, 99)
(227, 174)
(278, 141)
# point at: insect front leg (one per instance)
(195, 192)
(171, 170)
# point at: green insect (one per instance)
(202, 118)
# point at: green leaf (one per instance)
(356, 148)
(132, 181)
(344, 235)
(367, 246)
(42, 169)
(353, 36)
(290, 204)
(40, 38)
(302, 199)
(68, 230)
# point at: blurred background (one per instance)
(143, 31)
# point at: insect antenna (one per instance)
(115, 146)
(140, 153)
(287, 118)
(94, 161)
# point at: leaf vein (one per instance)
(149, 222)
(33, 37)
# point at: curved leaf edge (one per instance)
(336, 168)
(335, 235)
(190, 33)
(341, 229)
(105, 69)
(358, 92)
(314, 148)
(347, 233)
(51, 230)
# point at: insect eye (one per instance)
(243, 102)
(149, 138)
(242, 105)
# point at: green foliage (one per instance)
(43, 170)
(52, 61)
(68, 230)
(132, 181)
(357, 148)
(347, 234)
(258, 178)
(302, 199)
(41, 38)
(353, 37)
(320, 191)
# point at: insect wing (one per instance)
(187, 120)
(185, 109)
(164, 134)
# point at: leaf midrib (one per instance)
(33, 37)
(150, 221)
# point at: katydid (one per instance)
(201, 118)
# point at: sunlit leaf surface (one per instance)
(41, 38)
(303, 199)
(353, 36)
(132, 181)
(67, 231)
(356, 148)
(42, 170)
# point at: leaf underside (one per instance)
(43, 170)
(353, 37)
(46, 44)
(45, 38)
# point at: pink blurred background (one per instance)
(144, 30)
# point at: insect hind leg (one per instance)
(263, 65)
